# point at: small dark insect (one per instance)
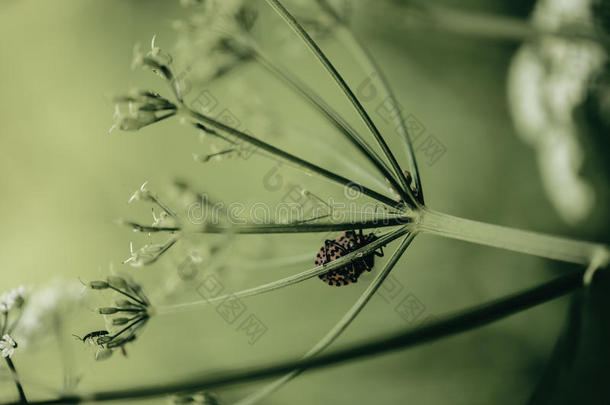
(347, 242)
(91, 335)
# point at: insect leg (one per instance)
(337, 245)
(380, 253)
(326, 249)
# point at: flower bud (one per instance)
(124, 304)
(98, 285)
(117, 282)
(108, 310)
(120, 321)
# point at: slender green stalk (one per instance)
(327, 112)
(4, 323)
(453, 20)
(204, 122)
(533, 243)
(404, 191)
(306, 227)
(365, 59)
(126, 294)
(294, 279)
(297, 227)
(290, 158)
(339, 327)
(458, 322)
(11, 366)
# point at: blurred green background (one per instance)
(65, 180)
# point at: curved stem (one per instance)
(290, 158)
(367, 60)
(11, 366)
(274, 262)
(297, 278)
(404, 191)
(327, 112)
(533, 243)
(338, 329)
(489, 26)
(462, 321)
(275, 228)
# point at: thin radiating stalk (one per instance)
(274, 228)
(338, 329)
(338, 155)
(533, 243)
(275, 262)
(297, 278)
(291, 158)
(494, 27)
(204, 122)
(458, 322)
(369, 63)
(11, 366)
(404, 191)
(327, 112)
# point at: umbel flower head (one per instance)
(14, 298)
(48, 309)
(125, 318)
(139, 109)
(11, 305)
(7, 345)
(342, 260)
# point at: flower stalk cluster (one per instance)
(408, 212)
(129, 314)
(11, 309)
(11, 306)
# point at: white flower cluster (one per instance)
(13, 298)
(47, 307)
(9, 303)
(548, 80)
(7, 345)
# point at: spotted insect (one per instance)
(90, 336)
(346, 243)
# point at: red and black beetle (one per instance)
(346, 243)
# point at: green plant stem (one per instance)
(327, 112)
(289, 157)
(274, 262)
(458, 322)
(339, 327)
(404, 190)
(365, 59)
(533, 243)
(11, 366)
(294, 279)
(368, 62)
(305, 227)
(130, 296)
(301, 227)
(4, 323)
(490, 26)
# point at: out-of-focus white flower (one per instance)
(7, 345)
(13, 298)
(47, 307)
(548, 80)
